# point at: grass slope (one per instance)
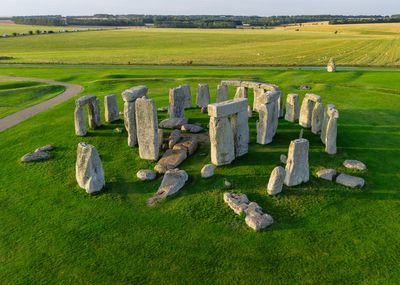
(54, 233)
(367, 45)
(18, 95)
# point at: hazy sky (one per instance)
(196, 7)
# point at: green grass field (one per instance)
(356, 45)
(54, 233)
(18, 95)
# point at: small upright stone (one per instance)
(275, 183)
(89, 169)
(111, 109)
(177, 99)
(207, 171)
(317, 118)
(331, 65)
(222, 93)
(292, 108)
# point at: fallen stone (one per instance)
(256, 218)
(350, 181)
(326, 174)
(173, 181)
(174, 123)
(48, 147)
(227, 184)
(89, 169)
(189, 145)
(111, 113)
(146, 174)
(174, 137)
(191, 128)
(35, 156)
(304, 87)
(237, 202)
(170, 160)
(207, 170)
(275, 182)
(354, 164)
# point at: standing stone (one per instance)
(147, 128)
(331, 132)
(111, 109)
(317, 118)
(80, 121)
(176, 103)
(241, 133)
(268, 117)
(258, 94)
(307, 108)
(222, 93)
(280, 105)
(89, 170)
(188, 95)
(297, 168)
(222, 141)
(94, 113)
(276, 179)
(325, 121)
(203, 96)
(331, 65)
(241, 92)
(130, 96)
(292, 108)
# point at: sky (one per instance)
(199, 7)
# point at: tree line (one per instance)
(200, 21)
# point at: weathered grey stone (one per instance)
(331, 67)
(89, 169)
(48, 147)
(237, 202)
(189, 145)
(177, 101)
(297, 168)
(304, 87)
(222, 93)
(111, 109)
(222, 141)
(203, 96)
(354, 164)
(326, 174)
(256, 219)
(170, 160)
(84, 100)
(283, 159)
(191, 128)
(80, 121)
(147, 129)
(241, 92)
(227, 184)
(331, 132)
(275, 182)
(317, 118)
(307, 108)
(173, 181)
(207, 170)
(36, 156)
(241, 133)
(94, 113)
(130, 95)
(174, 123)
(160, 137)
(146, 174)
(174, 137)
(328, 110)
(227, 108)
(258, 93)
(350, 181)
(188, 95)
(268, 118)
(292, 108)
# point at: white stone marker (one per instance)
(268, 117)
(317, 118)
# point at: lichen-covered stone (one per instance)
(203, 96)
(297, 168)
(276, 179)
(207, 171)
(111, 113)
(173, 181)
(326, 174)
(350, 181)
(170, 160)
(354, 164)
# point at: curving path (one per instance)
(70, 91)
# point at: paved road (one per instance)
(70, 91)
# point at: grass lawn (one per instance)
(18, 95)
(54, 233)
(363, 44)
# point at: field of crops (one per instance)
(355, 45)
(52, 232)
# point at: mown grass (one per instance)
(54, 233)
(18, 95)
(362, 45)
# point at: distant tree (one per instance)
(14, 34)
(31, 32)
(38, 32)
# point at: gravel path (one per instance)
(70, 91)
